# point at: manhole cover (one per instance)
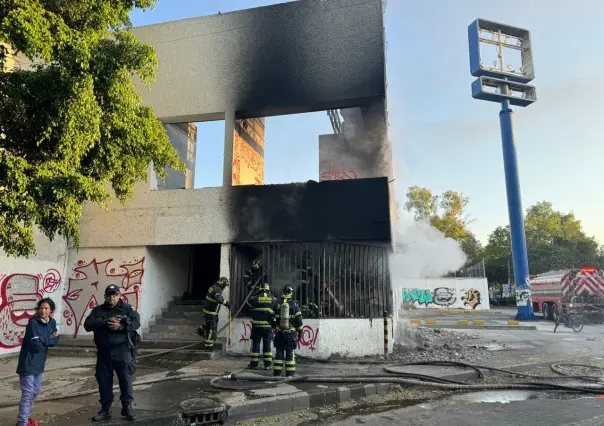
(202, 411)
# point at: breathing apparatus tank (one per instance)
(284, 318)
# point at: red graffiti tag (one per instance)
(86, 287)
(19, 294)
(309, 338)
(247, 332)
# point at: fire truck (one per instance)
(567, 290)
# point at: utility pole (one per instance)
(503, 84)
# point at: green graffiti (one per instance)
(411, 295)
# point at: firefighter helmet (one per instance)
(264, 287)
(256, 264)
(287, 292)
(223, 281)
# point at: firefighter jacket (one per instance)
(304, 274)
(295, 316)
(262, 309)
(214, 299)
(252, 277)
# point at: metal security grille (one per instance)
(330, 280)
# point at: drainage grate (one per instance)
(202, 411)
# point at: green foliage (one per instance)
(447, 213)
(72, 126)
(555, 240)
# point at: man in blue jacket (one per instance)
(114, 323)
(40, 334)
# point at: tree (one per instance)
(447, 213)
(554, 240)
(72, 126)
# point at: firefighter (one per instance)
(262, 307)
(252, 276)
(305, 289)
(211, 306)
(288, 324)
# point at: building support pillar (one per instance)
(229, 134)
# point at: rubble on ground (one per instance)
(416, 343)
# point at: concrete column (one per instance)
(229, 132)
(225, 271)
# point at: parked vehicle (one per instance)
(569, 291)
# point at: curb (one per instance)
(469, 326)
(298, 401)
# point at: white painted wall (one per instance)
(166, 277)
(89, 271)
(322, 338)
(464, 293)
(24, 282)
(225, 271)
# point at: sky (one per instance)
(442, 138)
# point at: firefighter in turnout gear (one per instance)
(211, 306)
(262, 310)
(288, 324)
(306, 291)
(252, 276)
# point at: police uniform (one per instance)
(286, 334)
(211, 307)
(114, 352)
(262, 310)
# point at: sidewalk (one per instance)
(160, 402)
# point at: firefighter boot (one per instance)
(128, 413)
(268, 365)
(103, 414)
(201, 332)
(252, 365)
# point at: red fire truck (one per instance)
(555, 291)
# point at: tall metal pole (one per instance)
(512, 183)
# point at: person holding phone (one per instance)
(40, 334)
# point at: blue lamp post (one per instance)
(503, 84)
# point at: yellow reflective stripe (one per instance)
(210, 299)
(210, 312)
(278, 362)
(254, 322)
(297, 314)
(290, 369)
(290, 362)
(267, 356)
(269, 310)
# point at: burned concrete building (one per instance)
(331, 239)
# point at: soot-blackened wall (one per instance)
(351, 210)
(293, 57)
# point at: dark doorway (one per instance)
(205, 268)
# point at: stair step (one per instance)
(159, 336)
(178, 329)
(177, 321)
(180, 355)
(192, 316)
(171, 344)
(186, 308)
(188, 302)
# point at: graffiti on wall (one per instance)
(416, 295)
(87, 284)
(471, 298)
(19, 294)
(331, 172)
(248, 164)
(308, 339)
(444, 296)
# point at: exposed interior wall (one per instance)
(183, 137)
(89, 271)
(322, 338)
(24, 282)
(166, 277)
(464, 293)
(248, 152)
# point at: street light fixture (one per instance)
(505, 82)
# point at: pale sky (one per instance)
(442, 138)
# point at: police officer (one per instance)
(211, 306)
(287, 329)
(262, 310)
(111, 323)
(252, 276)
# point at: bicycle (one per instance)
(572, 320)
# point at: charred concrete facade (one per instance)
(302, 56)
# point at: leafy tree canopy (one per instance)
(72, 126)
(447, 213)
(555, 240)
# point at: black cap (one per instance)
(112, 289)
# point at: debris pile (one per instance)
(432, 344)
